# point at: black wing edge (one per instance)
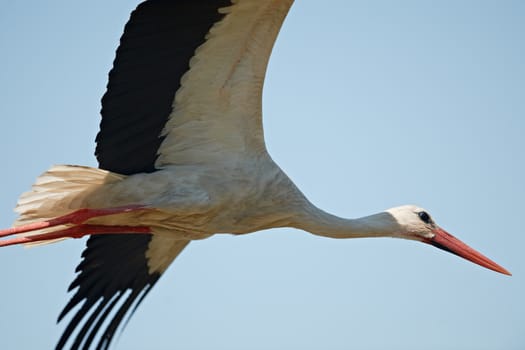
(113, 273)
(154, 53)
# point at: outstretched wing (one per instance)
(185, 87)
(217, 111)
(154, 53)
(115, 276)
(117, 271)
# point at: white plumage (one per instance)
(219, 119)
(182, 153)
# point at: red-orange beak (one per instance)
(444, 240)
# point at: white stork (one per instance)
(182, 157)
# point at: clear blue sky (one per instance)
(367, 105)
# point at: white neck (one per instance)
(321, 223)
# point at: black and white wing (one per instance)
(185, 87)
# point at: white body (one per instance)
(192, 146)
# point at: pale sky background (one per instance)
(368, 105)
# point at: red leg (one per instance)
(76, 217)
(76, 232)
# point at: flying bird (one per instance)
(182, 157)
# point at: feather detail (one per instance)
(57, 192)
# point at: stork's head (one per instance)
(416, 224)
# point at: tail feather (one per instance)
(59, 191)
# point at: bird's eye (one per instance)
(423, 215)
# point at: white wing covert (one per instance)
(217, 109)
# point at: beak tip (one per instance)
(497, 268)
(505, 272)
(445, 241)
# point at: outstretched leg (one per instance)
(77, 218)
(76, 232)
